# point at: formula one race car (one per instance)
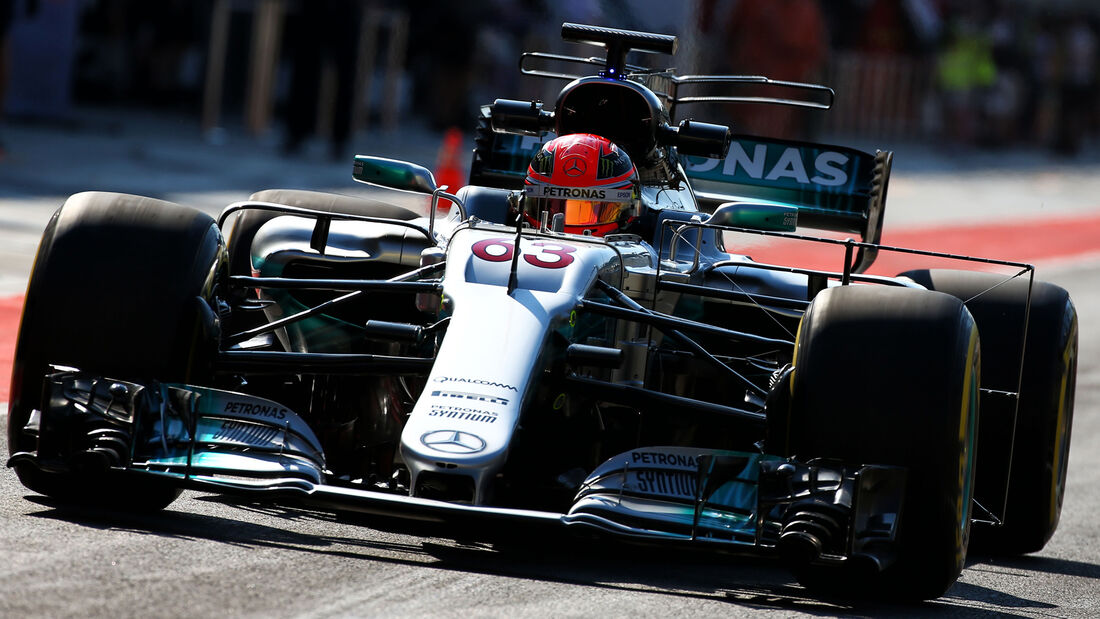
(571, 341)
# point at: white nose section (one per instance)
(464, 420)
(463, 423)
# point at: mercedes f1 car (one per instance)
(595, 354)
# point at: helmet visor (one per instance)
(579, 211)
(588, 213)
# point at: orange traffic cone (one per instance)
(448, 170)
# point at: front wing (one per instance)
(231, 443)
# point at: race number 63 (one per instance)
(548, 256)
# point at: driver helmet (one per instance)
(585, 177)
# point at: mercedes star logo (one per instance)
(453, 442)
(575, 167)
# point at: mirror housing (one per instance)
(522, 117)
(755, 215)
(393, 173)
(697, 139)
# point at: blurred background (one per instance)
(324, 78)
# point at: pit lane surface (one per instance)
(203, 556)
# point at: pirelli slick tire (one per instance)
(1040, 444)
(483, 148)
(889, 376)
(122, 286)
(493, 157)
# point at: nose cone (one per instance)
(454, 442)
(448, 447)
(451, 458)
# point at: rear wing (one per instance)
(834, 187)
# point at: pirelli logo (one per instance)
(476, 397)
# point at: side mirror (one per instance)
(393, 173)
(757, 216)
(697, 139)
(520, 117)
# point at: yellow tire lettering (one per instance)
(1059, 427)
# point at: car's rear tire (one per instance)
(489, 158)
(889, 376)
(122, 286)
(1040, 450)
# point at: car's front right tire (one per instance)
(124, 287)
(889, 376)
